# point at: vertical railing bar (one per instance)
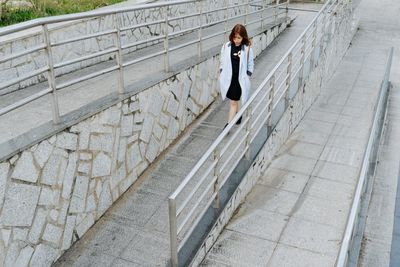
(289, 72)
(246, 13)
(51, 75)
(301, 71)
(271, 99)
(173, 232)
(248, 131)
(276, 11)
(226, 21)
(200, 32)
(217, 173)
(262, 15)
(117, 36)
(166, 41)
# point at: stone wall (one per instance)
(343, 30)
(59, 32)
(53, 192)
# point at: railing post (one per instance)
(216, 184)
(301, 71)
(166, 41)
(117, 38)
(276, 11)
(271, 103)
(289, 74)
(50, 75)
(200, 32)
(312, 57)
(262, 16)
(226, 20)
(173, 232)
(246, 13)
(248, 131)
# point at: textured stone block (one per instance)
(25, 169)
(19, 205)
(52, 233)
(127, 125)
(51, 170)
(69, 176)
(79, 195)
(37, 226)
(134, 157)
(44, 255)
(172, 107)
(67, 141)
(43, 153)
(103, 142)
(24, 256)
(105, 198)
(86, 223)
(4, 169)
(147, 129)
(68, 231)
(152, 149)
(101, 165)
(49, 196)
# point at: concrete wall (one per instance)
(53, 192)
(338, 41)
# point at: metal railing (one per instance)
(232, 12)
(201, 187)
(373, 142)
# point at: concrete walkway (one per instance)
(135, 231)
(296, 214)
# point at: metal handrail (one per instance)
(118, 48)
(266, 91)
(355, 207)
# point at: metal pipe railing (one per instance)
(118, 48)
(355, 207)
(273, 90)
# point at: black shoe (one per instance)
(239, 121)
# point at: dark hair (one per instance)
(241, 30)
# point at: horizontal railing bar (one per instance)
(160, 37)
(194, 224)
(184, 16)
(142, 58)
(85, 15)
(196, 187)
(196, 204)
(233, 137)
(140, 25)
(87, 77)
(213, 35)
(264, 96)
(184, 45)
(278, 100)
(24, 77)
(234, 149)
(76, 60)
(81, 38)
(260, 127)
(261, 113)
(172, 34)
(24, 101)
(20, 54)
(234, 165)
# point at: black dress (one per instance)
(234, 91)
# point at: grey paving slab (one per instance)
(335, 171)
(312, 236)
(328, 189)
(294, 163)
(236, 249)
(288, 256)
(302, 149)
(284, 180)
(262, 224)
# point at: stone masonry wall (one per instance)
(343, 30)
(53, 192)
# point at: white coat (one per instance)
(226, 70)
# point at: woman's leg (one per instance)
(233, 109)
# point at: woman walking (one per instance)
(237, 65)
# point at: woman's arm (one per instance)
(250, 62)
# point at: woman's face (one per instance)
(237, 39)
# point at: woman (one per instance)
(237, 65)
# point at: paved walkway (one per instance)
(296, 214)
(135, 231)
